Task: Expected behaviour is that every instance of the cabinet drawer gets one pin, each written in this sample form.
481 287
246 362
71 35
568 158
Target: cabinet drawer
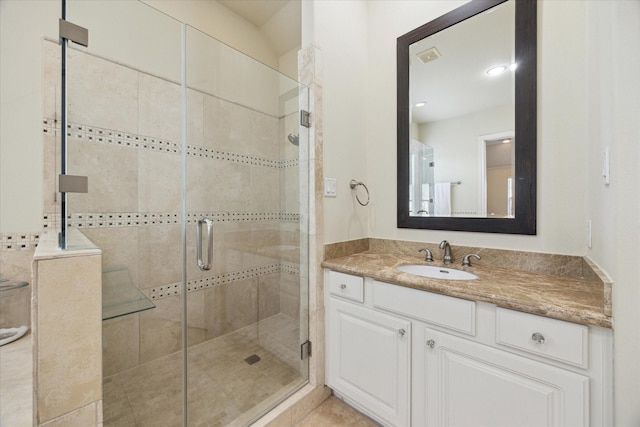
555 339
449 312
346 286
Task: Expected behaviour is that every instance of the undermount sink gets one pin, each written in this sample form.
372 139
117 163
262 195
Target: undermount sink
436 272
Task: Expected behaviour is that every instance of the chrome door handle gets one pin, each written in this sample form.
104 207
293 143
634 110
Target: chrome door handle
201 263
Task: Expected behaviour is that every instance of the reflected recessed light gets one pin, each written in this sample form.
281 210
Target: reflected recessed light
506 141
421 104
499 69
495 71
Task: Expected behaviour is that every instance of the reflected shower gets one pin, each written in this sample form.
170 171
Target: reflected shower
293 139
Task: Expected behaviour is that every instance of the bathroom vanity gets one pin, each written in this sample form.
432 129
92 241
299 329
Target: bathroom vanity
405 351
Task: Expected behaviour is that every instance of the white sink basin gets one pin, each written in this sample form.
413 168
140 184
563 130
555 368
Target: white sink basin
436 272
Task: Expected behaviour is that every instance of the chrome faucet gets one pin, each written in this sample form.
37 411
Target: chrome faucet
427 254
447 251
466 262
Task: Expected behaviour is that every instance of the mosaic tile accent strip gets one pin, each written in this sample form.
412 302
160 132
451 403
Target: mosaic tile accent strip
171 289
140 219
18 241
109 136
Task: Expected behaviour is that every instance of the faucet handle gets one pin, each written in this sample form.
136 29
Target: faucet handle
427 254
466 262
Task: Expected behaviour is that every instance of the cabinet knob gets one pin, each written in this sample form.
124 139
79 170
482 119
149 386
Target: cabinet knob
431 344
343 286
402 332
538 338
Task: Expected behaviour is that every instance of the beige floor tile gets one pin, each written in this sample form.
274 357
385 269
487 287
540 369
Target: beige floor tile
334 413
222 386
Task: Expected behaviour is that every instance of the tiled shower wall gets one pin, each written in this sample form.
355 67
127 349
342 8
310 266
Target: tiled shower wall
241 172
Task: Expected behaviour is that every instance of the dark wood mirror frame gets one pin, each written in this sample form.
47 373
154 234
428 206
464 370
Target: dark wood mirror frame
525 123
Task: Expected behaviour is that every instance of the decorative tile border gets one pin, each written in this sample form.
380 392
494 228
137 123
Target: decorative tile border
18 241
171 289
141 219
93 134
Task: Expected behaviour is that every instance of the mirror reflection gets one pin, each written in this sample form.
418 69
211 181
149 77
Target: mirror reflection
462 109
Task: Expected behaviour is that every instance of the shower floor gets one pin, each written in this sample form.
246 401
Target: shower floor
223 389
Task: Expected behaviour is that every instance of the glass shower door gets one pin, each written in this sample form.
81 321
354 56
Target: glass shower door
246 268
124 104
172 129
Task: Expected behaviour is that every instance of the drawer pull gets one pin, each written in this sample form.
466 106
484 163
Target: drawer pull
431 344
343 286
538 338
401 332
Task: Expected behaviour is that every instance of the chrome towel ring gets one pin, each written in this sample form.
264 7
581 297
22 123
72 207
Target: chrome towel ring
353 184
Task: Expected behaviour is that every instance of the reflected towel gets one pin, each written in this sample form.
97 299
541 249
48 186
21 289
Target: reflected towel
442 199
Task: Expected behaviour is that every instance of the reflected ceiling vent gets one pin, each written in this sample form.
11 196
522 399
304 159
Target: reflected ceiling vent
428 55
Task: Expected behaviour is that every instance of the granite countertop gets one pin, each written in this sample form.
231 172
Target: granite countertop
566 298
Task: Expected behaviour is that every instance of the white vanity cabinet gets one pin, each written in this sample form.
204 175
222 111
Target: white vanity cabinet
471 384
408 357
368 353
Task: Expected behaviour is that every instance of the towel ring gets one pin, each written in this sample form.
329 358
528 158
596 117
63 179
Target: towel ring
353 184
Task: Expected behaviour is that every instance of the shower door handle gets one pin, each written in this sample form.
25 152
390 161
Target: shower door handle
201 263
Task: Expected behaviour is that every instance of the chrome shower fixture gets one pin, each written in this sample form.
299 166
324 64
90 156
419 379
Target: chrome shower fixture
293 139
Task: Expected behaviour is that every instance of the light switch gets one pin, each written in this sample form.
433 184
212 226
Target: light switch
330 185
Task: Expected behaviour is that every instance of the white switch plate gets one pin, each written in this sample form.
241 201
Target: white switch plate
330 186
605 167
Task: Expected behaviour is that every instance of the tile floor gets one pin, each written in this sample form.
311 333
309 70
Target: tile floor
335 413
222 387
16 383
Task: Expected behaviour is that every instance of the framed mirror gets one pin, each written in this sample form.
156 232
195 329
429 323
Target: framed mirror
467 120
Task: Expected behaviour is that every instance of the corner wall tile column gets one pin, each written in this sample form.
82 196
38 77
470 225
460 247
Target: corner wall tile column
309 66
67 333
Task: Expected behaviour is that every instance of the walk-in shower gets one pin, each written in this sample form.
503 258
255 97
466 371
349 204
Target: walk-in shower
174 128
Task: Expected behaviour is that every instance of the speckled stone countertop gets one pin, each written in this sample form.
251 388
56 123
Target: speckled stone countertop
566 298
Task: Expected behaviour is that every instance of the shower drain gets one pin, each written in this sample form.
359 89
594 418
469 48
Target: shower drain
254 358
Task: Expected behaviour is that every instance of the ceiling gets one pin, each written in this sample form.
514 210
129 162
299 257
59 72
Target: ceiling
456 83
279 20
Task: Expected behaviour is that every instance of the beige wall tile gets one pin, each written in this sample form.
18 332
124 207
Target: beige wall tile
159 108
161 329
69 369
264 190
50 171
160 255
103 93
268 295
119 248
83 417
113 177
159 182
120 344
226 126
265 136
15 307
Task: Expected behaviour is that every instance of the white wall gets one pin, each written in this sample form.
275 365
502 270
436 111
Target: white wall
340 30
456 151
21 111
561 127
613 101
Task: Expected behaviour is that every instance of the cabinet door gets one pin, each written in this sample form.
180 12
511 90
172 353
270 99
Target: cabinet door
470 384
368 360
